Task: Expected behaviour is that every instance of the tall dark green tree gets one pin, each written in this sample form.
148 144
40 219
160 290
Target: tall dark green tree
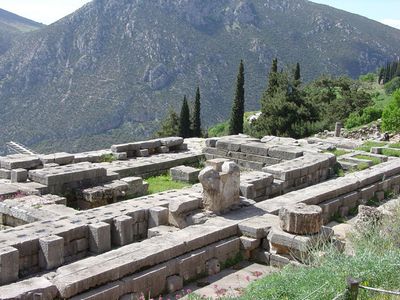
184 120
272 86
286 112
170 125
196 121
297 73
237 114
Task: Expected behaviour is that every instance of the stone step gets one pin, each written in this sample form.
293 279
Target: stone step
230 282
347 165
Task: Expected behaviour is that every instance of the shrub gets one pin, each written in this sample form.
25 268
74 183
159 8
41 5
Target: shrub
391 114
370 77
367 116
392 85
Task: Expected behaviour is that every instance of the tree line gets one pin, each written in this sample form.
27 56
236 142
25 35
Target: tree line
289 107
389 72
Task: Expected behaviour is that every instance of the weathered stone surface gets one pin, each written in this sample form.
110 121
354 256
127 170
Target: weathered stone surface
52 252
33 288
99 237
19 175
9 265
184 173
171 141
221 191
216 163
301 219
174 283
60 158
20 161
158 216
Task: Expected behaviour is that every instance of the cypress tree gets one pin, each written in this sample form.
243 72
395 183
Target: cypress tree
297 75
184 123
237 114
196 122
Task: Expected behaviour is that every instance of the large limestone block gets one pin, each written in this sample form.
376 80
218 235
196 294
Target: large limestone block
9 265
51 253
99 237
185 174
221 190
301 219
32 288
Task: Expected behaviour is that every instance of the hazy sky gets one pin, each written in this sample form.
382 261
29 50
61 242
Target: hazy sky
48 11
385 11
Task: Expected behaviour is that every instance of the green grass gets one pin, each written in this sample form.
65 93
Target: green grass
395 145
339 152
391 152
107 158
376 262
368 145
375 161
164 183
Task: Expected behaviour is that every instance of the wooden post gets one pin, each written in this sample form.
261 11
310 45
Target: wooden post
352 288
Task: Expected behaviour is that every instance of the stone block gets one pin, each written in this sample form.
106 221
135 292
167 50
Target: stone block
158 216
174 283
143 153
184 173
99 237
216 163
380 195
60 158
120 155
255 148
163 149
19 175
122 231
285 152
9 265
211 142
51 254
32 288
301 219
160 230
279 261
171 141
248 243
5 174
20 161
213 266
247 190
221 191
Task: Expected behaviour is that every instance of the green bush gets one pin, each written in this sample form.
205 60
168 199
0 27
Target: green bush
392 85
367 116
391 114
370 77
220 129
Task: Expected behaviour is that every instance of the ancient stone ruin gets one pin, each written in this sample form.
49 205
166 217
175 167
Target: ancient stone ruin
82 226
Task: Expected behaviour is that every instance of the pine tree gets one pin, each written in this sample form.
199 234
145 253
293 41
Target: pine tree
237 114
184 123
196 122
170 126
297 74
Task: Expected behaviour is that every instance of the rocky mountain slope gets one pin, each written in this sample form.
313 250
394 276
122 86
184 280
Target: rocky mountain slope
111 69
11 25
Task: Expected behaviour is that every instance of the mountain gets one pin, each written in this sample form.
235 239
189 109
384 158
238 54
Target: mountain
108 72
11 25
